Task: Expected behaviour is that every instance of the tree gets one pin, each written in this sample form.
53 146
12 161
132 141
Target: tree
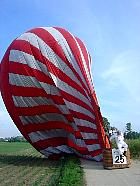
128 127
128 133
106 125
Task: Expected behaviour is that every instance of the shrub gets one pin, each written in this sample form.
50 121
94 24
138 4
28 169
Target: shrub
134 147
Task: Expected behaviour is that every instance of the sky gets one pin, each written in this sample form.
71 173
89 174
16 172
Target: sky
111 32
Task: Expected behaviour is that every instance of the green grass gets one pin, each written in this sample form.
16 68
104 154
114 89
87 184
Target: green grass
134 147
72 173
21 165
10 147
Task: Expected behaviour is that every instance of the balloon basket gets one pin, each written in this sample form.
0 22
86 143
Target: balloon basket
112 159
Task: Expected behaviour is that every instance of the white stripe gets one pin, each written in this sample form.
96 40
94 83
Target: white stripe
24 58
78 108
87 135
93 147
21 101
66 149
43 118
58 149
29 81
24 81
66 49
43 135
63 108
27 37
80 143
81 122
96 158
54 133
51 150
90 72
84 62
50 89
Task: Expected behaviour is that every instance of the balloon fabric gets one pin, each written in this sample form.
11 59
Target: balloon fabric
47 87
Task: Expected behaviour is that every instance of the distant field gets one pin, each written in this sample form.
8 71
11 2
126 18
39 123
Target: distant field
10 147
22 165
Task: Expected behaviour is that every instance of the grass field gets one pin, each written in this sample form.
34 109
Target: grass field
22 165
6 147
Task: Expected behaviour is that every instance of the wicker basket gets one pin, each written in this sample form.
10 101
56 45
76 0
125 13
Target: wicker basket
108 161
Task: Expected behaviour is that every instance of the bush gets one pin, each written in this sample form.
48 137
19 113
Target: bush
134 147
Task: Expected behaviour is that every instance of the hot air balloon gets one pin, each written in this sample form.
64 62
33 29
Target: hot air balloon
47 87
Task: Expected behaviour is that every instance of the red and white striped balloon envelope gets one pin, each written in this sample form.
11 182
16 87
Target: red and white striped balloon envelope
47 87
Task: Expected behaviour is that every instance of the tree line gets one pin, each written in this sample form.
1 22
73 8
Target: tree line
13 139
128 134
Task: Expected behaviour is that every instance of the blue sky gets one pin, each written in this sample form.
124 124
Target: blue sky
111 32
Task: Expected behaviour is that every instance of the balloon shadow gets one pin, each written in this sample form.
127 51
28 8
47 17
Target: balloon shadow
27 160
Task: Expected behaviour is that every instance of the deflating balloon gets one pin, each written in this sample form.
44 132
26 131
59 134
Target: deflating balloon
46 85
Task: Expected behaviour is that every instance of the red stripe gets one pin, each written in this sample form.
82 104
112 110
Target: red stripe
37 110
53 142
23 69
48 126
57 141
91 141
87 129
27 91
82 116
34 92
56 156
96 152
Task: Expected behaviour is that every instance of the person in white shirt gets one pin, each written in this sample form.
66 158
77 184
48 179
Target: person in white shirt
119 139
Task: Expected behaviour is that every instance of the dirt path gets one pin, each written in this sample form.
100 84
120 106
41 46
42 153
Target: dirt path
96 175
